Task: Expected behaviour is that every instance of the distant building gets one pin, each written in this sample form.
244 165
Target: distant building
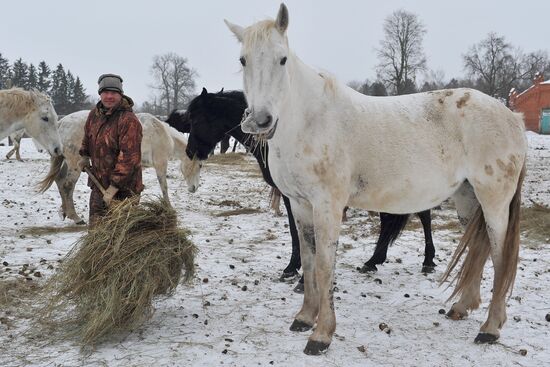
534 102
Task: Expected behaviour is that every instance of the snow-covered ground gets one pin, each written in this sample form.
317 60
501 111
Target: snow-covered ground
237 313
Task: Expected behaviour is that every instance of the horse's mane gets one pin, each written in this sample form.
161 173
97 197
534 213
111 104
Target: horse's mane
258 32
330 82
226 100
17 102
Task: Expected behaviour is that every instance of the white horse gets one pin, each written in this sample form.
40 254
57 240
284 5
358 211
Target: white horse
32 111
331 147
160 143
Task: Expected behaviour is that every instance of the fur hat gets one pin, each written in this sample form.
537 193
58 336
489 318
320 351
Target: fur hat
111 82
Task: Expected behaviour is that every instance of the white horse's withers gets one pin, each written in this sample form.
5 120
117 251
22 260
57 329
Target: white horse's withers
32 111
330 146
160 143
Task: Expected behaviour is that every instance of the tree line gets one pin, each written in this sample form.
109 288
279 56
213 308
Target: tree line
493 66
66 90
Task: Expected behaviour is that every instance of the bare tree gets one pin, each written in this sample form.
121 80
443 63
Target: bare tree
494 64
174 80
401 54
531 64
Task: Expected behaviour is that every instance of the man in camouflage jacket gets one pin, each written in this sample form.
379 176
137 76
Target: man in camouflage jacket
111 147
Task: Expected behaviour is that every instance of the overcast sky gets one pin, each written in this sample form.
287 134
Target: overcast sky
107 36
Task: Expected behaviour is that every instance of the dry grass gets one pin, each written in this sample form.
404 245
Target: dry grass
46 230
17 300
242 160
228 158
108 280
16 292
242 211
535 222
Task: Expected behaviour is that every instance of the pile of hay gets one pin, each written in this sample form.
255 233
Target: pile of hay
108 280
535 222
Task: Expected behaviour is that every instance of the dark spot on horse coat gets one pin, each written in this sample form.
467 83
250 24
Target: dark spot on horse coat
361 183
309 237
509 169
489 169
462 101
278 152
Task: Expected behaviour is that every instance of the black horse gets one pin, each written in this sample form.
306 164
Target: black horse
213 116
178 119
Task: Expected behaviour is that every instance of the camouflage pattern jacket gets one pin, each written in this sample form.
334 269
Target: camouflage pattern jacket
112 140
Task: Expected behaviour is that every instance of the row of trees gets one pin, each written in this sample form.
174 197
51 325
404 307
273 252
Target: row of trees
493 65
66 90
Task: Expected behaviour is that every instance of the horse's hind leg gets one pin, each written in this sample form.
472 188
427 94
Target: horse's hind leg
17 147
160 169
224 144
66 181
428 266
10 153
391 226
497 223
466 205
502 217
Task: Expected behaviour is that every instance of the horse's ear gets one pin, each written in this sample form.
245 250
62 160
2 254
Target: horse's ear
282 19
204 92
221 91
237 30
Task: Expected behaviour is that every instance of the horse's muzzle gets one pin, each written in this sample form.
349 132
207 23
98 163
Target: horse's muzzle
264 125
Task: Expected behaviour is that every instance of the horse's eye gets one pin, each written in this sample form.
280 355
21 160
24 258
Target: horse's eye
243 61
45 119
283 60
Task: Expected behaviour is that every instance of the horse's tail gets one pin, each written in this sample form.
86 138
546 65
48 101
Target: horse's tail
56 167
476 240
391 226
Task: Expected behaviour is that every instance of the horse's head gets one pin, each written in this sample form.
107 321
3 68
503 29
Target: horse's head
206 131
41 123
191 169
264 56
179 120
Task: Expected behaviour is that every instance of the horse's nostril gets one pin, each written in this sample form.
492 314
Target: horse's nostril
56 150
266 122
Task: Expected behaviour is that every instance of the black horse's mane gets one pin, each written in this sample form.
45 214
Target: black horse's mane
226 101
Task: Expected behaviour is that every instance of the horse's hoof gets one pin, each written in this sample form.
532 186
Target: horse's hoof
299 288
485 338
455 315
427 269
288 274
367 268
81 223
315 348
300 326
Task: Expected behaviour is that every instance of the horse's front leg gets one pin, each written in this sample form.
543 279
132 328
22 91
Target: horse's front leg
323 245
303 217
294 265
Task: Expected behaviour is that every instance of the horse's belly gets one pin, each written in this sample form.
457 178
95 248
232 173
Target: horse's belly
404 197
